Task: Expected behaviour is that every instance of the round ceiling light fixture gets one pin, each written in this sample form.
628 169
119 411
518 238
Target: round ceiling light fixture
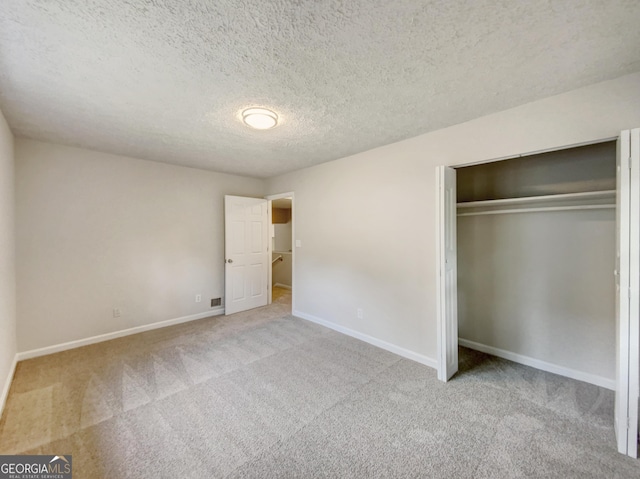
259 118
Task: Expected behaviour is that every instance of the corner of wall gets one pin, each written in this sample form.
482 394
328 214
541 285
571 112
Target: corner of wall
8 340
4 394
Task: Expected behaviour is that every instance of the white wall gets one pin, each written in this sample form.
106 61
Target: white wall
282 240
97 232
282 269
7 261
541 285
366 222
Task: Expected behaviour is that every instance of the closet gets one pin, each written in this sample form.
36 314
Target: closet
526 253
536 242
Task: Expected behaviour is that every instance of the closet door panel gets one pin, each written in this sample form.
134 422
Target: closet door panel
634 292
447 289
626 414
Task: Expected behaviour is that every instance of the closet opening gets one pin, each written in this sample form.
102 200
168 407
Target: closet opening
536 242
549 272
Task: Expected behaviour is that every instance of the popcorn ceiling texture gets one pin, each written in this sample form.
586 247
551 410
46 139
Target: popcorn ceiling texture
165 80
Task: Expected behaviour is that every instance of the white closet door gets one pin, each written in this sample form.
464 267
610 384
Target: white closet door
447 281
627 277
634 293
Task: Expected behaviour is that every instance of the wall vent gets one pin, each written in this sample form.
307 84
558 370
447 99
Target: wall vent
216 302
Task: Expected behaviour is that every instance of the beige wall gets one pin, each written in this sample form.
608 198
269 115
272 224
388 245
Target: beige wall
366 222
97 232
282 269
7 260
541 285
282 240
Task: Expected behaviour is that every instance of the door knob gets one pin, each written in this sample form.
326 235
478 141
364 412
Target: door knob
229 261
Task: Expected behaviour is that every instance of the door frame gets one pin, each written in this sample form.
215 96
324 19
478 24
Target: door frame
270 198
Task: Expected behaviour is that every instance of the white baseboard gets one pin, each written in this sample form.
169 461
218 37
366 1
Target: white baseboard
405 353
280 285
542 365
34 353
7 384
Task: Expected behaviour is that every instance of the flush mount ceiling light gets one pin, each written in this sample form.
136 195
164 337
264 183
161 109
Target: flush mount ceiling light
259 118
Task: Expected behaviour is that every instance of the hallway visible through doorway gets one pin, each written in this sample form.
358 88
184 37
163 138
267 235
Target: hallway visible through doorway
282 298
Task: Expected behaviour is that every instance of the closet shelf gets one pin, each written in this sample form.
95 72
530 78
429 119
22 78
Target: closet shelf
589 200
588 195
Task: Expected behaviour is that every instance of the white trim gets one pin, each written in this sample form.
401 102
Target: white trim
34 353
7 384
623 225
288 194
634 292
280 285
542 365
400 351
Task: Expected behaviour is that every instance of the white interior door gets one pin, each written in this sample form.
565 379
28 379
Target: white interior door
627 276
447 281
246 253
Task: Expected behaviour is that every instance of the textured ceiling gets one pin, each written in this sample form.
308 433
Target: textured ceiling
165 79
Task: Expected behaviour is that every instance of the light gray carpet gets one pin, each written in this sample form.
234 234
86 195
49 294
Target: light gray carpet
262 397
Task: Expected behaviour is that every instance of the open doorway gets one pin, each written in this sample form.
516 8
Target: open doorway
282 249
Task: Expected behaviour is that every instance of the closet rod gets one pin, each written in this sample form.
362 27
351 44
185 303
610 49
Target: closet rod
539 199
534 210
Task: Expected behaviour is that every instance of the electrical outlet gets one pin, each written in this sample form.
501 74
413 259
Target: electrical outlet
116 312
360 313
198 298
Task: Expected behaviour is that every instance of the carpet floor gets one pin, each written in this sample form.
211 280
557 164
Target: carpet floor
262 394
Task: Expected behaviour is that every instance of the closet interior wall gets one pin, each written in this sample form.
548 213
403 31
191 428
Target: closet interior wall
535 268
